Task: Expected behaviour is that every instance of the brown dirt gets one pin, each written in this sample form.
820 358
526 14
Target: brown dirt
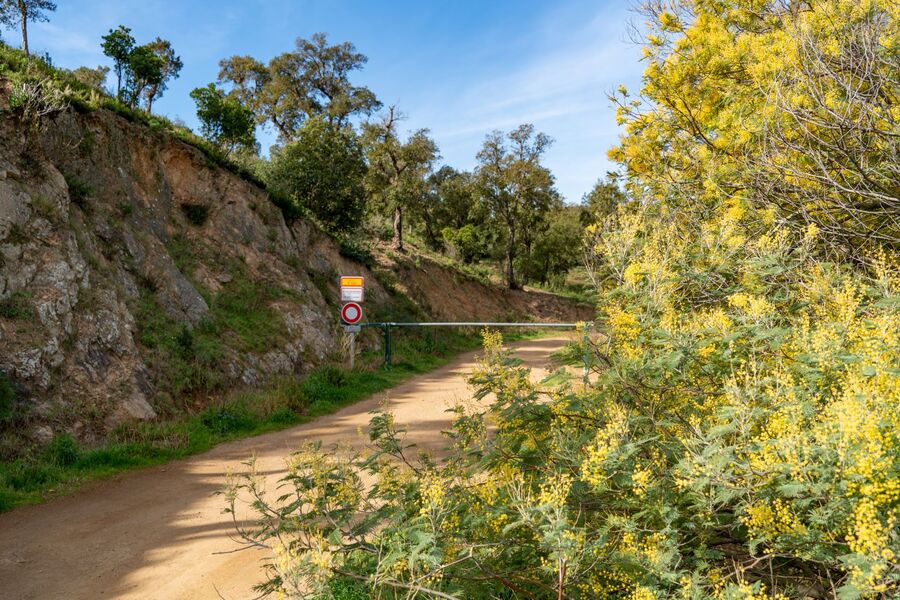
160 533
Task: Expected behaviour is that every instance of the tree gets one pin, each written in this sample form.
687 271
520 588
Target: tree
223 119
514 185
447 203
817 143
323 171
557 249
313 80
118 45
471 241
20 12
144 70
325 71
170 68
601 201
248 78
94 78
397 169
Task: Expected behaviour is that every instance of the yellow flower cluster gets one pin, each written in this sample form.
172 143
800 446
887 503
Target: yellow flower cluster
605 442
433 491
768 520
755 307
640 481
555 491
641 592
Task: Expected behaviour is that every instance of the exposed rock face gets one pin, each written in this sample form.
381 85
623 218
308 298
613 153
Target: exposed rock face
79 256
106 227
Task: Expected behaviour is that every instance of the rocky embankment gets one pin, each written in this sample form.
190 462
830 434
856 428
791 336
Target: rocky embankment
134 273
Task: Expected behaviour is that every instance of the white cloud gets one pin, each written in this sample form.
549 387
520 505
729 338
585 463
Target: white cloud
560 87
63 41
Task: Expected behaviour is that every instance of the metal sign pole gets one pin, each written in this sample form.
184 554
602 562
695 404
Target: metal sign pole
352 349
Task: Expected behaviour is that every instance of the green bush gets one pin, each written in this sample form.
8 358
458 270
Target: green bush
188 359
227 419
243 307
347 589
325 386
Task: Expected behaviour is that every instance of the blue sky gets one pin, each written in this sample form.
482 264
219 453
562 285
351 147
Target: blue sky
458 68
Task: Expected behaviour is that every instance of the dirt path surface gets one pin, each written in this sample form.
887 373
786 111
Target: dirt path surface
155 533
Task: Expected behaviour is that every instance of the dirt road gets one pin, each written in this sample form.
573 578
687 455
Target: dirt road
155 534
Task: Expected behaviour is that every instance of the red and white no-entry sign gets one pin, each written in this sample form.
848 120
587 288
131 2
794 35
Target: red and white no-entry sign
351 313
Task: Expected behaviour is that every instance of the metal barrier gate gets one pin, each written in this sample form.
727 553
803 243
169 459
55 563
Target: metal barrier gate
388 352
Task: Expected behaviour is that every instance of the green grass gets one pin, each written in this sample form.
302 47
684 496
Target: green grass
17 306
187 359
190 360
243 307
62 466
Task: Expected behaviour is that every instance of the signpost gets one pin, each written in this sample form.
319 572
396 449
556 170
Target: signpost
351 313
353 288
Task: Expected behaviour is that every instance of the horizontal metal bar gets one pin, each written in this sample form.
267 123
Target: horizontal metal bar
468 324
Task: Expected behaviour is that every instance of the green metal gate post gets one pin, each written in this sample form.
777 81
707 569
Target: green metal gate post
388 351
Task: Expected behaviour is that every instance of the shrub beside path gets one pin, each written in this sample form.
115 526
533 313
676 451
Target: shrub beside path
161 534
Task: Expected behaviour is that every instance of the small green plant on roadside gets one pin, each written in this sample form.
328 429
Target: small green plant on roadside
227 419
63 451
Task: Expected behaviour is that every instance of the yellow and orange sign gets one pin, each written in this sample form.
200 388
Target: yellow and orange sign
354 281
352 288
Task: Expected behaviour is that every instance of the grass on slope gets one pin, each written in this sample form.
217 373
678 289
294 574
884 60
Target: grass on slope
63 466
62 89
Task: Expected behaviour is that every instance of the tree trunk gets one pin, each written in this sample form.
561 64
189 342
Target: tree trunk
25 36
429 233
398 228
510 255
